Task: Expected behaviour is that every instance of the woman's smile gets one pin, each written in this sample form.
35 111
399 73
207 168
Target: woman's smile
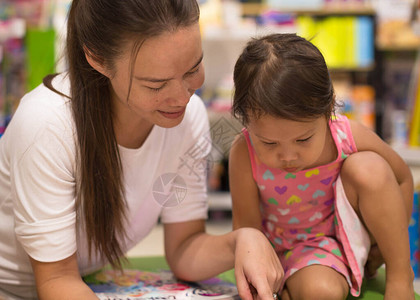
172 115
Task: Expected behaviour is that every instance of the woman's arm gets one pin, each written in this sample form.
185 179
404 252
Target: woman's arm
367 140
60 280
195 255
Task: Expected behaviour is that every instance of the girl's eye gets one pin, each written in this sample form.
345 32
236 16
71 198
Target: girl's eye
304 140
268 143
193 72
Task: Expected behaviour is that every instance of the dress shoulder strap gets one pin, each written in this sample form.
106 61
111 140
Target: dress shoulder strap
342 134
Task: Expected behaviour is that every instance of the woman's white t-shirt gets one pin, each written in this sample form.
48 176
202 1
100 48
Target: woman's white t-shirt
165 178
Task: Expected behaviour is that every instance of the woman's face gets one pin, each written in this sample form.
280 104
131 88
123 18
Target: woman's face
166 72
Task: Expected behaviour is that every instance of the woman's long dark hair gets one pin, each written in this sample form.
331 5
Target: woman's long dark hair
282 75
103 28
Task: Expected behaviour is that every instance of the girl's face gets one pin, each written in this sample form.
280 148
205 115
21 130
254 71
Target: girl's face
167 71
290 145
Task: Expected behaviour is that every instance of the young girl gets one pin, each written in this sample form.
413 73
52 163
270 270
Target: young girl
305 176
94 156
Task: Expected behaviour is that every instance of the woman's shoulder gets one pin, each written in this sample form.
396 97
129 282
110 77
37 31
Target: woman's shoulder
43 103
41 110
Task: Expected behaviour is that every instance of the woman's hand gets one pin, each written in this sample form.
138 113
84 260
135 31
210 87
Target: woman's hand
194 255
258 270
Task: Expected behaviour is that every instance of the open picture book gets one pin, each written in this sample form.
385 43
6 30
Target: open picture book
157 285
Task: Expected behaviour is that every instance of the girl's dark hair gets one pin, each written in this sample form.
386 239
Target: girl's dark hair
282 75
103 28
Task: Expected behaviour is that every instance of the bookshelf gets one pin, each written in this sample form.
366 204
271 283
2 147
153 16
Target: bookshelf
222 45
252 9
345 35
411 155
220 201
391 48
29 31
397 70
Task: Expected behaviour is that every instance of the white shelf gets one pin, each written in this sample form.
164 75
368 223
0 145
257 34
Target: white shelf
411 155
242 33
317 9
220 201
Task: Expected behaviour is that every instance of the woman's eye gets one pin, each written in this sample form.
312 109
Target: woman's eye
156 89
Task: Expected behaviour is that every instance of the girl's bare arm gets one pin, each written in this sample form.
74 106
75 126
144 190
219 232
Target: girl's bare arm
367 140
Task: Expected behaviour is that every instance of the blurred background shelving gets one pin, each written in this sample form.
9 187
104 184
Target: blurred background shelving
372 50
371 47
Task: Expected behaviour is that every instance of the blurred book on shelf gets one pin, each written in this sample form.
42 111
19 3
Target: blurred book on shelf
356 101
414 128
30 32
414 105
397 21
319 5
346 42
13 74
414 236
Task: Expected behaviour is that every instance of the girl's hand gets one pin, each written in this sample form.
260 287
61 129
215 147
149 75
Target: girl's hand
258 270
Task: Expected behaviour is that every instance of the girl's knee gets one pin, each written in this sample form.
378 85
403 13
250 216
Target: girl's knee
317 282
323 289
366 170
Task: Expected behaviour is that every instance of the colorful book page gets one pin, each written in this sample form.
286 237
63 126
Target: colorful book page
135 284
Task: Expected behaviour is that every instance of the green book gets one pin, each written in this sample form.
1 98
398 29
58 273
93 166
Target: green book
40 57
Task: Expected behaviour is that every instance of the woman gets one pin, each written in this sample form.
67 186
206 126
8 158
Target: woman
91 158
